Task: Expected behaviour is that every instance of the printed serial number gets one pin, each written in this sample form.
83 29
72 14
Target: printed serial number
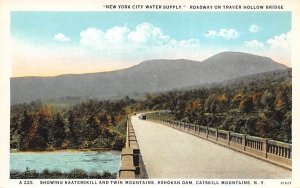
286 183
26 182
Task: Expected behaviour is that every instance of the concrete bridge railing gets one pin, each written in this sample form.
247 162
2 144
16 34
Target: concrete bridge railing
276 152
130 156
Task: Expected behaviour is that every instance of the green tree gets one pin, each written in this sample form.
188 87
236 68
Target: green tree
92 129
268 100
73 134
25 127
58 131
246 104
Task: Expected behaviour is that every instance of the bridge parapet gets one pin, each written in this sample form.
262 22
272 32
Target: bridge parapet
130 156
279 151
272 151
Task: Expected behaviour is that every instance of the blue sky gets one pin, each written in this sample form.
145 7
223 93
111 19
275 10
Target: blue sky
112 40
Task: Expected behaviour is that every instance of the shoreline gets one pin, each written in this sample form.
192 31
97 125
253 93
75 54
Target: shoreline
57 174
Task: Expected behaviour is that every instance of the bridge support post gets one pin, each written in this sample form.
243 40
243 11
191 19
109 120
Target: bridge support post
228 138
217 135
244 142
206 131
265 147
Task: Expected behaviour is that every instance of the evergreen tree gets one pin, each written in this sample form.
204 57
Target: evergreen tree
58 131
73 134
93 130
25 127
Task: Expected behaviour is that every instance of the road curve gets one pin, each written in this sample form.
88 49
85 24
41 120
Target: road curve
169 153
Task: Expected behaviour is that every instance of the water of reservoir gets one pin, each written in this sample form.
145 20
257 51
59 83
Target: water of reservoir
65 161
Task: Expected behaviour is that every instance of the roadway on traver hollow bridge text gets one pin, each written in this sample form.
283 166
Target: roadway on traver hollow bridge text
169 153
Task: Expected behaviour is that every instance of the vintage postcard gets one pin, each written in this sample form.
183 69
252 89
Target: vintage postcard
140 93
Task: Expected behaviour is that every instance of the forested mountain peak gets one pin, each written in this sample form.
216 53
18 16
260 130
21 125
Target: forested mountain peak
146 77
242 59
228 63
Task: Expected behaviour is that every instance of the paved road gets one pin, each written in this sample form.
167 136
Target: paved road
169 153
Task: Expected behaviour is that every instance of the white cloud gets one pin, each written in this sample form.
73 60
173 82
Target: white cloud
61 37
92 37
280 41
254 28
254 44
117 34
121 38
148 33
226 34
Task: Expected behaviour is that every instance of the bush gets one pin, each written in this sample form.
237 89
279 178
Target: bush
77 174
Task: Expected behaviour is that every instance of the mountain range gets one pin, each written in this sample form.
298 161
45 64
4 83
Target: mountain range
146 77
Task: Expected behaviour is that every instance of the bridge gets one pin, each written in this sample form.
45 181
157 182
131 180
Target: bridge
157 148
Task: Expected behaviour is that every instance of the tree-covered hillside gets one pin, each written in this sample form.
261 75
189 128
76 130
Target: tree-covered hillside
91 124
259 105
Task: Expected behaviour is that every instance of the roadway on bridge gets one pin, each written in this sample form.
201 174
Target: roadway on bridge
169 153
